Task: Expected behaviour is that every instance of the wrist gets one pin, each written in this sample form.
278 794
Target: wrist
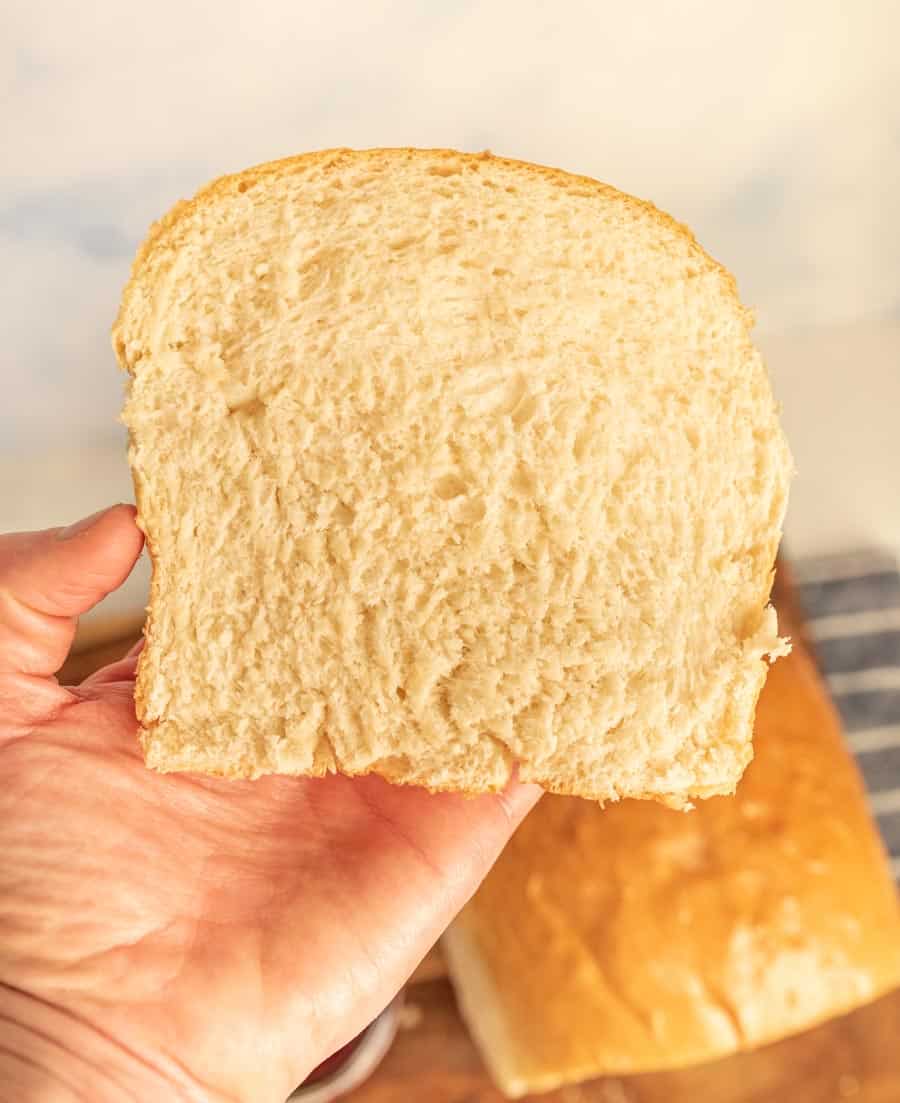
50 1055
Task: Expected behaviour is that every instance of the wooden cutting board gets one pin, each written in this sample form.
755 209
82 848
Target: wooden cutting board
855 1058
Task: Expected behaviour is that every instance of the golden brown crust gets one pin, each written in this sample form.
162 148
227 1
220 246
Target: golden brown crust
162 231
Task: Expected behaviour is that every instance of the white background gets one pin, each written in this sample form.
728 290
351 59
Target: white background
772 127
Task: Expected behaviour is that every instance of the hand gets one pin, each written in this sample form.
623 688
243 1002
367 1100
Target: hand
173 937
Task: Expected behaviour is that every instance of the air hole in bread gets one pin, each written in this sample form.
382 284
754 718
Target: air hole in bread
450 486
525 410
343 514
250 407
468 510
451 168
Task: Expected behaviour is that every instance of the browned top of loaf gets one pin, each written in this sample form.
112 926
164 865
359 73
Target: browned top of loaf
634 937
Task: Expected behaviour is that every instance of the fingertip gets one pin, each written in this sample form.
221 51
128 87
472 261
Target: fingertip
111 533
120 523
518 798
122 670
67 571
86 524
125 514
52 576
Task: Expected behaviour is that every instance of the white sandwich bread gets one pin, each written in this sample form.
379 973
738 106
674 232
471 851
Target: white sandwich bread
448 465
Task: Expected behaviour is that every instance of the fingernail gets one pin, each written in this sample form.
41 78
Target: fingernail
83 525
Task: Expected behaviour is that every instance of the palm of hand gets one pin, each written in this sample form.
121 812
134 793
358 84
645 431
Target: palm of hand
230 934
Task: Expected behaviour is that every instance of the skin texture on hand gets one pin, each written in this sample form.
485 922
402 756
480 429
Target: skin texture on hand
180 937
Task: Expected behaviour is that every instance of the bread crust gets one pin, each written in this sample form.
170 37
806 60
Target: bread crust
163 232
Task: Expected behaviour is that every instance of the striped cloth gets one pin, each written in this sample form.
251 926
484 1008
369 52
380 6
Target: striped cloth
852 605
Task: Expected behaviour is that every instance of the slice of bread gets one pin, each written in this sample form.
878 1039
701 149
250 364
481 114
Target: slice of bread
448 463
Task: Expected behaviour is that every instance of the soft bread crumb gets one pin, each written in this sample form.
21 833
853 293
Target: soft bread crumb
448 463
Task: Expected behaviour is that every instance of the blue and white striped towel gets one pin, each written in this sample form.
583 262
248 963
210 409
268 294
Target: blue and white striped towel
852 605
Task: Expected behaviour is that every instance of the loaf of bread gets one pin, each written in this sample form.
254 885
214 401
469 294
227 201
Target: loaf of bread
448 463
633 938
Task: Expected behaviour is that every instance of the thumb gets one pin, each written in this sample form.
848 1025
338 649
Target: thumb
48 578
